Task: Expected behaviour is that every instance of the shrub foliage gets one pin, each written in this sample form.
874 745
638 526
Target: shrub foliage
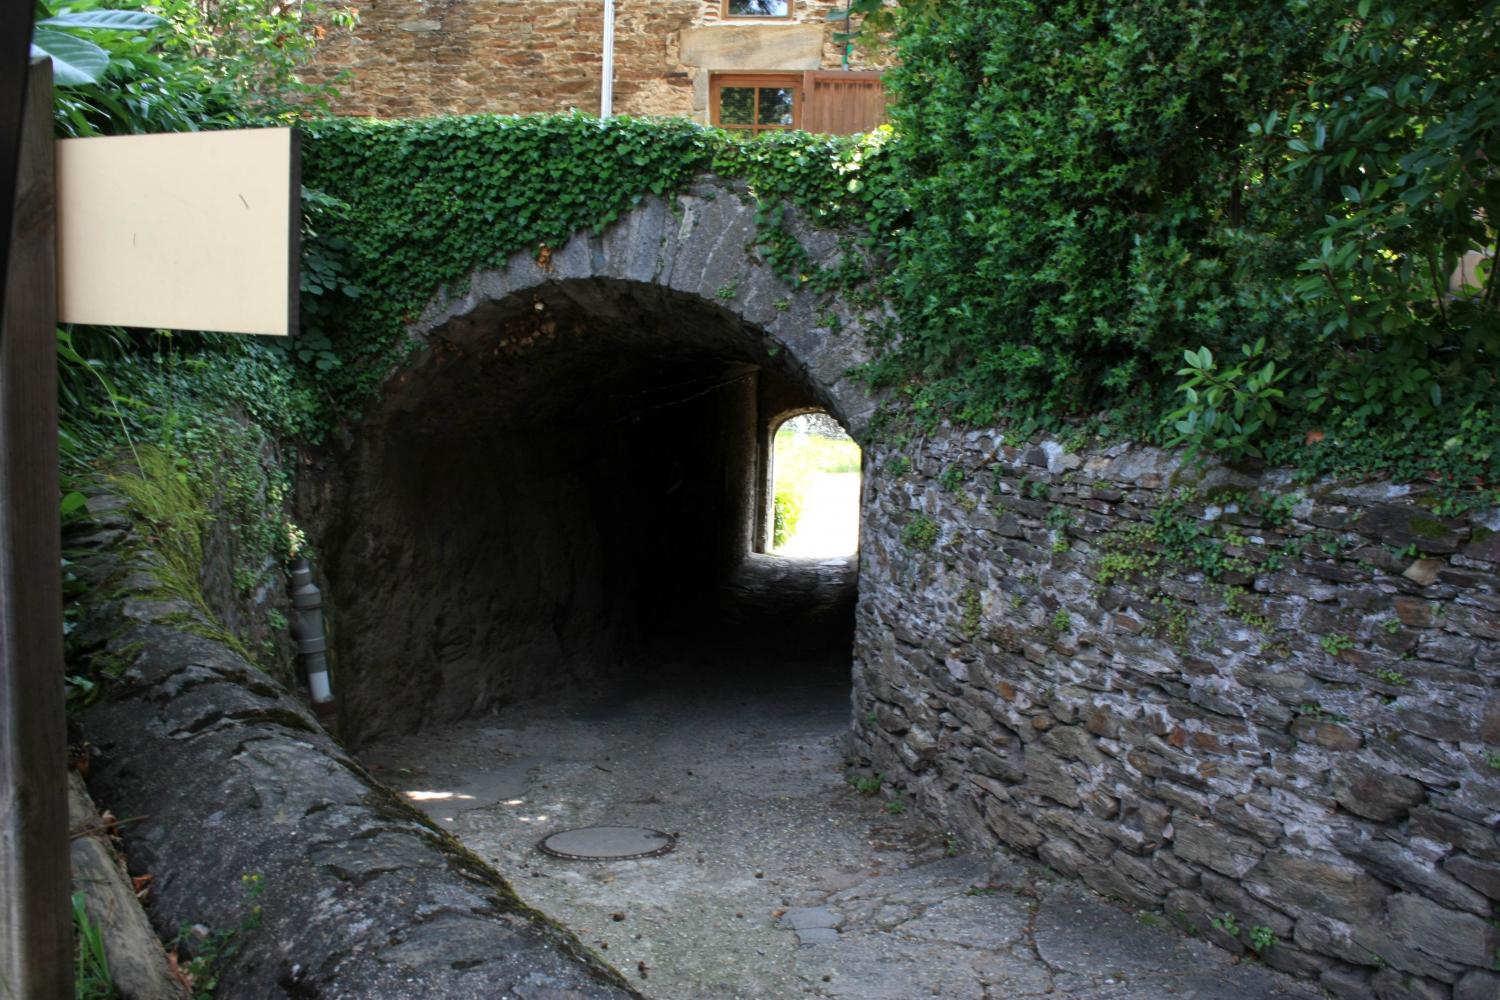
1234 227
1098 191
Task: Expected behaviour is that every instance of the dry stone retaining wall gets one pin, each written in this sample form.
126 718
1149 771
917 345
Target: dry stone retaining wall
1270 709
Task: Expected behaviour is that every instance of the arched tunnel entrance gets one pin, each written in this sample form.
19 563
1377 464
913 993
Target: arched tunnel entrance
569 492
553 607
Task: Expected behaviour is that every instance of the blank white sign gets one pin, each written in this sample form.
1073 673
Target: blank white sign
187 231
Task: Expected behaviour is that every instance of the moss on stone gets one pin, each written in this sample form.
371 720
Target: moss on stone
1427 527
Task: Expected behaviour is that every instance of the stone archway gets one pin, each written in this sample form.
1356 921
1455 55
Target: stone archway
566 462
697 246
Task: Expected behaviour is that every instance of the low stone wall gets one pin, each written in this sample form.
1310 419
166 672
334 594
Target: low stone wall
1269 709
270 848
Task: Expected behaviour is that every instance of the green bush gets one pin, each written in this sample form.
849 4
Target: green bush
1079 196
787 511
1075 174
1095 189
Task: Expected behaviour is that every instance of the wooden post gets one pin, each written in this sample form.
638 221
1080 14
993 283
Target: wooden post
35 919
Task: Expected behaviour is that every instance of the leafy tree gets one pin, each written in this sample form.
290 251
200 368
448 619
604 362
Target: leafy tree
131 66
1075 176
1395 141
180 65
1096 190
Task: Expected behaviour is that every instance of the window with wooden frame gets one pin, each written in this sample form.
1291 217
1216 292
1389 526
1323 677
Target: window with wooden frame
777 9
837 102
756 102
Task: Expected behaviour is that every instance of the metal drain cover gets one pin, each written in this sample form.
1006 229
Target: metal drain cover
608 843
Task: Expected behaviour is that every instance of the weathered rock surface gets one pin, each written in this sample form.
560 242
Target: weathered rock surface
261 832
137 962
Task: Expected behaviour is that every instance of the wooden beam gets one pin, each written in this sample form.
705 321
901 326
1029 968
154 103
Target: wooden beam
35 920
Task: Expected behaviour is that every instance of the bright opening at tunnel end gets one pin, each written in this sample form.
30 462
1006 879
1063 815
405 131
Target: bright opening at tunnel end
815 486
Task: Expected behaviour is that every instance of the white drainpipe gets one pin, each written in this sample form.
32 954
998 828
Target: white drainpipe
607 88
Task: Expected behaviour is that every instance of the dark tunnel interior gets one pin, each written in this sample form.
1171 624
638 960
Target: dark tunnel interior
569 483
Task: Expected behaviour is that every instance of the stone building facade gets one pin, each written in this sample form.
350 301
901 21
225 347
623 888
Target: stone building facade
428 57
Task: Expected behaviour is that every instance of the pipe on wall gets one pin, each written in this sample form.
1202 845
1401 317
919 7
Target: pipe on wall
312 641
607 85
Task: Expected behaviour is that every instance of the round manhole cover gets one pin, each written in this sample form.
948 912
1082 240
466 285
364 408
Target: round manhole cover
608 843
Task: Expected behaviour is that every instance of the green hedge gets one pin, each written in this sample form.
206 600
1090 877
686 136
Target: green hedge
1099 187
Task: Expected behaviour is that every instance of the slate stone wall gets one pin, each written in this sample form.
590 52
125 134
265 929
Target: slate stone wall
1269 709
254 824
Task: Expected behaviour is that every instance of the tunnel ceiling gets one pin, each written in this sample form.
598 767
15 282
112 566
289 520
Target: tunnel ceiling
582 352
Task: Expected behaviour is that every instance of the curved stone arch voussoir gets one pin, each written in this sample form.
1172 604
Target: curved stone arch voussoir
699 244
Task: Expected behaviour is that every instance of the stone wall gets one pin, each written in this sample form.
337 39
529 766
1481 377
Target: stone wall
295 870
426 57
1269 709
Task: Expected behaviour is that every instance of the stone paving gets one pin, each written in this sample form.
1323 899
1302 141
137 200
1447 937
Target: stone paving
960 928
786 881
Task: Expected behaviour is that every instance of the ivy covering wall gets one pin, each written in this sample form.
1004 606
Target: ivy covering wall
403 207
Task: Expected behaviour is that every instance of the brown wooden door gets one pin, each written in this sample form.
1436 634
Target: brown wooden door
842 102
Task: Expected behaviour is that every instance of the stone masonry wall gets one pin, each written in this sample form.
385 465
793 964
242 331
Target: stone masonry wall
248 819
1269 709
427 57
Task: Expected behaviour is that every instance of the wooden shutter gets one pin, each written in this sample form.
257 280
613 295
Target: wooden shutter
842 102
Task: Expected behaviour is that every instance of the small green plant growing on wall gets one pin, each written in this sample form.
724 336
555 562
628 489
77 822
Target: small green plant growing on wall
1492 759
1335 644
81 692
1261 938
1313 710
1395 678
867 784
1225 922
970 612
920 533
213 949
1175 624
951 478
1062 621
